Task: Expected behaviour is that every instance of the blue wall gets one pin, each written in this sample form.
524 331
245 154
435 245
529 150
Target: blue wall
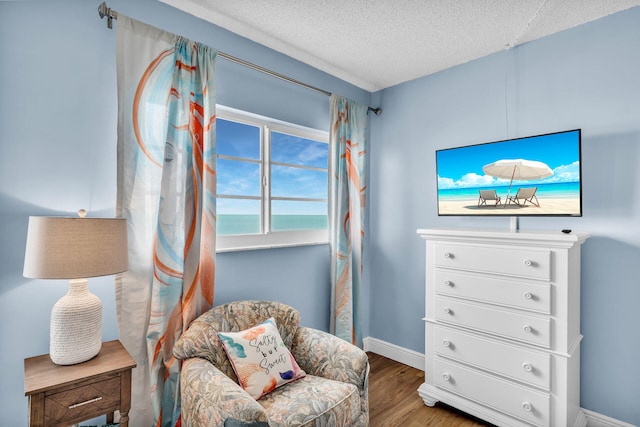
587 77
58 117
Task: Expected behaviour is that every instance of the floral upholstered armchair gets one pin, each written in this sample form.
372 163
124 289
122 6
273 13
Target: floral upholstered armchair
330 387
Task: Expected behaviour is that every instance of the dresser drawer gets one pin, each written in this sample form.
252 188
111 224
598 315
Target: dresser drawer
527 328
525 295
83 402
506 261
515 400
510 361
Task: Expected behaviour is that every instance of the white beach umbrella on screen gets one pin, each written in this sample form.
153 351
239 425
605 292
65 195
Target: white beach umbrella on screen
517 169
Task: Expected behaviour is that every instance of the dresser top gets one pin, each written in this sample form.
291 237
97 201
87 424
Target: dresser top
533 237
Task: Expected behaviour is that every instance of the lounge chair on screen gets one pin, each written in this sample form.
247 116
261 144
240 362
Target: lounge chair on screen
525 195
488 196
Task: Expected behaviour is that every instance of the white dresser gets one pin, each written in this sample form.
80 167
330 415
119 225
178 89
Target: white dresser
502 336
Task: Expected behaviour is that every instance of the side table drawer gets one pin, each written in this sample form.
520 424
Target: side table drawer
83 402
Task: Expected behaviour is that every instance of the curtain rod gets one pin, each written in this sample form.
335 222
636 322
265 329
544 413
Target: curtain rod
111 14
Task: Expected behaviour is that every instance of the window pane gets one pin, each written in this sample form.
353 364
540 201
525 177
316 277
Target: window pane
238 178
237 139
298 151
293 215
296 182
296 168
237 217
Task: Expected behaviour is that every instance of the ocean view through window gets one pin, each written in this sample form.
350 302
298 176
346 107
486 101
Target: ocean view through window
272 182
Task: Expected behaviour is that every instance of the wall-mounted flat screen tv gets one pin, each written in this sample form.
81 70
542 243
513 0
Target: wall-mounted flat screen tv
532 176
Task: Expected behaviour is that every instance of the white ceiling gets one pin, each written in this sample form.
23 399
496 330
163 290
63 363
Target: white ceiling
375 44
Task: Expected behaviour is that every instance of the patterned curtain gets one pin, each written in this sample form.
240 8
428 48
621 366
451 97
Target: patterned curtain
166 190
348 196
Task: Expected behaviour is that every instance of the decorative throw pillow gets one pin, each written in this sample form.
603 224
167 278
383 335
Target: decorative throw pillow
260 359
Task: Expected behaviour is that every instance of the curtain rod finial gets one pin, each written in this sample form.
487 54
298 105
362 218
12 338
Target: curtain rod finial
103 11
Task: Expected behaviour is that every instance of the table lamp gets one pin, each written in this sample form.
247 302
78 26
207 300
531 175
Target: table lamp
75 249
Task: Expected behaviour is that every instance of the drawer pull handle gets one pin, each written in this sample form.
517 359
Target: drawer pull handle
446 343
528 295
528 262
527 367
446 376
447 310
76 405
528 329
527 406
448 255
448 283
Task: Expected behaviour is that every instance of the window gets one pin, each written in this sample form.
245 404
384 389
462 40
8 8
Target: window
272 182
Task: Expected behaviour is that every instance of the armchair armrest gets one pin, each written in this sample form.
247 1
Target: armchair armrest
324 355
209 397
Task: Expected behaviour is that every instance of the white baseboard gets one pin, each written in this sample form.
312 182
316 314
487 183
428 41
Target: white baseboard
394 352
416 360
598 420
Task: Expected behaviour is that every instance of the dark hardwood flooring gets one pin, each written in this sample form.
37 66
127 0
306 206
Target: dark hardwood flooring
394 399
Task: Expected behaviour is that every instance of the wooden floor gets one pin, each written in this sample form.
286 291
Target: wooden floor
394 399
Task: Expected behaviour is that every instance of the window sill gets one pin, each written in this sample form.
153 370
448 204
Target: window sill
284 239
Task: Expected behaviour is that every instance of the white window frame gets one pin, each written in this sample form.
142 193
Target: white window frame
267 238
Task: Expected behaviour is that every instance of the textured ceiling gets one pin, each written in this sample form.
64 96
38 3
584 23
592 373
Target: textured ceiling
375 44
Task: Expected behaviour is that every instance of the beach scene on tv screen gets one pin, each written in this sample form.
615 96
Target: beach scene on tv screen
537 175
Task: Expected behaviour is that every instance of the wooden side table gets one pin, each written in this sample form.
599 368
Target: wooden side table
64 395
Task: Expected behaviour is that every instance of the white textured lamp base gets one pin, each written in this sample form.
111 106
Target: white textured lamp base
76 325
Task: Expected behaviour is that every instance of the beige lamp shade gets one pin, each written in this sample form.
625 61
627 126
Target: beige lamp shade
71 248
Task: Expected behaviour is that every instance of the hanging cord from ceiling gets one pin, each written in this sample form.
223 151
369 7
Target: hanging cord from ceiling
527 25
111 14
506 85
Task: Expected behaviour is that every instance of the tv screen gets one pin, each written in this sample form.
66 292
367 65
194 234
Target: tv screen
532 176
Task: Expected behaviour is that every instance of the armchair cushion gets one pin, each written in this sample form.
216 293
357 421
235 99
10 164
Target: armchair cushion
260 359
316 402
232 422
